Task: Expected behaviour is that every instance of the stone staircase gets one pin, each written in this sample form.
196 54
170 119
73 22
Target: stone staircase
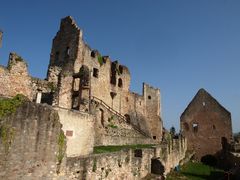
119 116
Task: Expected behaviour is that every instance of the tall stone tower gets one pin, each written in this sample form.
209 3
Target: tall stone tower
1 34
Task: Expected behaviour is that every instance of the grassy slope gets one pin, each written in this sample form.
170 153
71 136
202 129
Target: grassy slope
196 171
106 149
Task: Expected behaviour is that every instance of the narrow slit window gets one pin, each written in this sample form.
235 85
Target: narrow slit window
67 51
95 72
120 83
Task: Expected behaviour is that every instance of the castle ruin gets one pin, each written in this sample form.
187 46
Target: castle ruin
86 96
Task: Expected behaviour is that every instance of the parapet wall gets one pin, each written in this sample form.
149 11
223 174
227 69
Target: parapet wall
127 164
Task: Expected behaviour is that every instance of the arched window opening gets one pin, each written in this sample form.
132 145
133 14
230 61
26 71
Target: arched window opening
120 83
128 120
157 167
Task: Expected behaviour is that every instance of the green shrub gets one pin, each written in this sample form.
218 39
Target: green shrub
94 165
100 60
61 149
112 126
7 135
9 106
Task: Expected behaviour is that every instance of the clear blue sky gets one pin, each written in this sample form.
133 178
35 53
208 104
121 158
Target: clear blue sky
178 46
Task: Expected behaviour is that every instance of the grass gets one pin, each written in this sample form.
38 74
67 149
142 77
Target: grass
196 171
113 126
107 149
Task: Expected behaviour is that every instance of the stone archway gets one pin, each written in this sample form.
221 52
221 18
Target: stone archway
157 167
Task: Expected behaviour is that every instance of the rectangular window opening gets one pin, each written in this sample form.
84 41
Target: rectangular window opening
95 72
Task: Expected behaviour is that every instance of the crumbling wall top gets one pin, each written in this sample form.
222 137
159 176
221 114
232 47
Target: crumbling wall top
16 64
67 23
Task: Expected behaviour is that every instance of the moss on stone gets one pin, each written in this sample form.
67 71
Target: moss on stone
61 149
94 165
52 86
100 60
112 126
7 135
9 106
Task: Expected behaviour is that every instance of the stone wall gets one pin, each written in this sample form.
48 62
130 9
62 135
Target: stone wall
29 143
34 143
126 164
206 125
15 79
79 130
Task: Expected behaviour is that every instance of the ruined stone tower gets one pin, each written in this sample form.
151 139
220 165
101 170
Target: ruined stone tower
83 75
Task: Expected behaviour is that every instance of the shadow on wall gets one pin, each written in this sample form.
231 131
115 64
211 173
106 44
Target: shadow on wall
224 160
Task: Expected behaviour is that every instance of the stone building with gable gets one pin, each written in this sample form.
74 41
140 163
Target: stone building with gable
206 124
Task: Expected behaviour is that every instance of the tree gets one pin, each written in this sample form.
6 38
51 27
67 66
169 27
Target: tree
172 131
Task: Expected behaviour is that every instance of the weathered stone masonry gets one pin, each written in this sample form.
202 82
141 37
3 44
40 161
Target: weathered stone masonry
32 150
127 164
91 104
81 73
206 125
15 79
